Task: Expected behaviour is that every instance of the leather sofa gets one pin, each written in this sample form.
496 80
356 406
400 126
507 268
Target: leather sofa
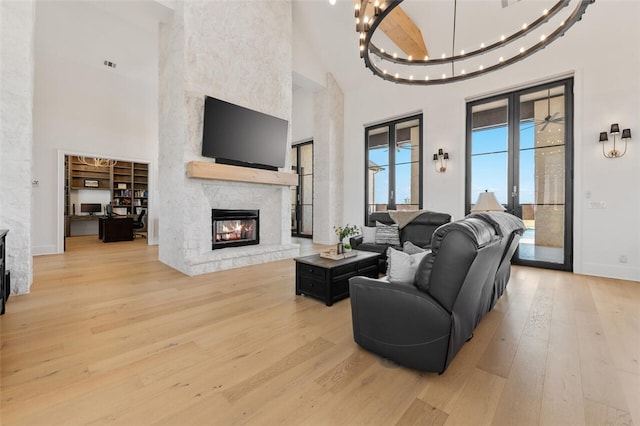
418 232
423 325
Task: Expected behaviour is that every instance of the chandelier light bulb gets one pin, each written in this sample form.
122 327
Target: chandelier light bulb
481 67
444 56
444 76
543 37
426 58
545 12
524 26
426 77
396 75
481 45
410 77
395 55
332 2
522 50
501 59
410 58
502 37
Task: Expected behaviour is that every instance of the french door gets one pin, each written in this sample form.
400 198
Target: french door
302 195
520 146
393 172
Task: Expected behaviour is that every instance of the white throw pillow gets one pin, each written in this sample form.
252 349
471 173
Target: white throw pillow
401 267
369 234
410 248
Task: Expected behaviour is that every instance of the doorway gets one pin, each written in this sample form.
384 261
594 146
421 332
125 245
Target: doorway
520 146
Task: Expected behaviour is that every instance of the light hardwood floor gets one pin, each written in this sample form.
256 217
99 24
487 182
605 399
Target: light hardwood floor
109 335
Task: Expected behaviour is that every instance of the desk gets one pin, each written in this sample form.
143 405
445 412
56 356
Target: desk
115 229
79 218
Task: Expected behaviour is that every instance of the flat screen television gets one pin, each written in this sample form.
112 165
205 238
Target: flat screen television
240 136
90 208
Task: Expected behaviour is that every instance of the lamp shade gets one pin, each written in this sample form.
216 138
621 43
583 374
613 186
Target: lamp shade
487 202
603 137
626 134
615 129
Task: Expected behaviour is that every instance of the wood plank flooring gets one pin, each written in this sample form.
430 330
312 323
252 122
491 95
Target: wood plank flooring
109 335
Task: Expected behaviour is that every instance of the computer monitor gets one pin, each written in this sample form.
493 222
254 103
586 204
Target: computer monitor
91 208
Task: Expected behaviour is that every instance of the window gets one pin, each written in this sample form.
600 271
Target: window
393 176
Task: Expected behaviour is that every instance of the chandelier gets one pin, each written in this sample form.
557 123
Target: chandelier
97 162
465 55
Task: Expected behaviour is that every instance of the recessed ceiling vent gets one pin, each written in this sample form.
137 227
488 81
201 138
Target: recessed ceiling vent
110 64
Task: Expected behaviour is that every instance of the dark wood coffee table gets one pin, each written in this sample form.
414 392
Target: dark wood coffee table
328 279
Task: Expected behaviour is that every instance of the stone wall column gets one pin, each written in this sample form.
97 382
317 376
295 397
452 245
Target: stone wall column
328 172
17 30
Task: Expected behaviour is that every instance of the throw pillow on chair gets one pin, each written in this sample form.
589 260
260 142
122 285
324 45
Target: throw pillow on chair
401 266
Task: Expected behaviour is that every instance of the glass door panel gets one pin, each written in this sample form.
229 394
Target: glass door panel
541 198
302 195
407 165
294 192
378 169
489 150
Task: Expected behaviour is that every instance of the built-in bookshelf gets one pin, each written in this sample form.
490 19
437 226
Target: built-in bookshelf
127 182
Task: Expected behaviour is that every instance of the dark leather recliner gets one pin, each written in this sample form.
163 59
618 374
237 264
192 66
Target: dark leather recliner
423 326
418 231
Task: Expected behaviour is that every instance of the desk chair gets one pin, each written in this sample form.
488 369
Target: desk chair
140 224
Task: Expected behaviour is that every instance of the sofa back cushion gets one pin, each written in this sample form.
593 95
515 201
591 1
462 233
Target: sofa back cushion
454 248
418 231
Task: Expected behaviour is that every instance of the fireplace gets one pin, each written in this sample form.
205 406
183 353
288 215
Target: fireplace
235 228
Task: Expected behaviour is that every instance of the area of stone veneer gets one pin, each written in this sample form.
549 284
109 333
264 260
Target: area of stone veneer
17 20
206 50
275 231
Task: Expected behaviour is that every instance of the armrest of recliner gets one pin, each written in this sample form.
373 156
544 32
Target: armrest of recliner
399 322
356 241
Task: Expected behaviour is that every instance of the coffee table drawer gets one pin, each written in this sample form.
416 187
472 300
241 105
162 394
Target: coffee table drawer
311 287
311 271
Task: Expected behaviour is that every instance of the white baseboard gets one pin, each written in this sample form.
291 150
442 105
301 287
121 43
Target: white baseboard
41 250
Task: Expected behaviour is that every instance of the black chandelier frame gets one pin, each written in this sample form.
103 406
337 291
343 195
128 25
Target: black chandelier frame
367 27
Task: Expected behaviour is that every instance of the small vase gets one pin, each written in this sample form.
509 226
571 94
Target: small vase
339 248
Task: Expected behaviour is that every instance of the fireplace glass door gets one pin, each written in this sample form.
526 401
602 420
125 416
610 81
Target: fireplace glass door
234 228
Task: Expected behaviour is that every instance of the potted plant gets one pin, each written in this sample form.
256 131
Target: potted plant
342 233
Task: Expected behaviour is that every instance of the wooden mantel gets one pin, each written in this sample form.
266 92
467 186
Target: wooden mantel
205 170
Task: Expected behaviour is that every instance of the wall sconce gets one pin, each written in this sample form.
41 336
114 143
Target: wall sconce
443 158
615 130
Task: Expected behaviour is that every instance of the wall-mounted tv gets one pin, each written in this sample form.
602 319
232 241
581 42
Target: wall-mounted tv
240 136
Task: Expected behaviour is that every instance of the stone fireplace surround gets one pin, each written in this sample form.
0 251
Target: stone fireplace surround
275 233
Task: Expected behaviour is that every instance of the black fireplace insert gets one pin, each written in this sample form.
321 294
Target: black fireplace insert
235 228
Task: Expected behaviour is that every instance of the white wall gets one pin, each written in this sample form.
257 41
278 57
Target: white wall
82 106
302 115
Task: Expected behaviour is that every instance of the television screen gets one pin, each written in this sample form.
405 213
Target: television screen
90 208
236 135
